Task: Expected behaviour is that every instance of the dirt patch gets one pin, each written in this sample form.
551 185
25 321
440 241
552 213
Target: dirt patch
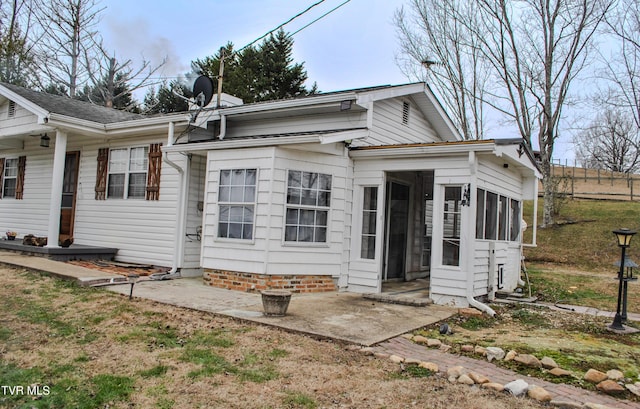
92 348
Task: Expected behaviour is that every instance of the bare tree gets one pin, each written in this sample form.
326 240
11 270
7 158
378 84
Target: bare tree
70 42
16 47
612 142
536 49
112 80
435 35
623 67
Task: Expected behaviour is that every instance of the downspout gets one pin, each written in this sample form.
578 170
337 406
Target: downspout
470 236
223 127
178 240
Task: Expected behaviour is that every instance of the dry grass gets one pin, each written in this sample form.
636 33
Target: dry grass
583 239
96 349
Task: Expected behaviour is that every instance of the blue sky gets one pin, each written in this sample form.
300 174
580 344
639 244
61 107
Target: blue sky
355 46
352 47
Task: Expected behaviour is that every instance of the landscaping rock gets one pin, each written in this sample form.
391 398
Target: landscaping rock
494 386
633 388
548 363
480 350
559 372
469 312
610 387
495 353
429 366
539 394
466 348
407 336
528 360
412 361
477 378
465 380
456 371
396 359
381 355
510 355
615 375
419 339
517 388
433 343
595 376
444 348
563 404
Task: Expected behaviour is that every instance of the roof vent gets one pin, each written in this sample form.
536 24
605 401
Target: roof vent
12 109
405 113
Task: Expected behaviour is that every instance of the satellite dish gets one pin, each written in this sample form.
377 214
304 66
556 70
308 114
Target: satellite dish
203 90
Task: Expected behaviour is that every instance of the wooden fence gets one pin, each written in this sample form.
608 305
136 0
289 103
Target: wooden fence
578 182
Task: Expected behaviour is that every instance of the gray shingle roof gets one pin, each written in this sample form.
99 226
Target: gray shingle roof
72 107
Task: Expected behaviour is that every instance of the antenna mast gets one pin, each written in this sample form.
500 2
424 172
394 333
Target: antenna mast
220 77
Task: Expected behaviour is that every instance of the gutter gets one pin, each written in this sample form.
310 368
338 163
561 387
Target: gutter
178 240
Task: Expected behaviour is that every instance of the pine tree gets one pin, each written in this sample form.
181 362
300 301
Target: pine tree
261 73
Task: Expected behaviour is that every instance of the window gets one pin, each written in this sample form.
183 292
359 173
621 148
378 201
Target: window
236 203
515 220
405 113
308 202
480 211
369 216
503 211
10 178
451 226
127 176
497 217
491 219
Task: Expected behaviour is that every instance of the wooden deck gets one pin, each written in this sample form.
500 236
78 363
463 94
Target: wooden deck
73 252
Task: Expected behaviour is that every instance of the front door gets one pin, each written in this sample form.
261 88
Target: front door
397 219
69 189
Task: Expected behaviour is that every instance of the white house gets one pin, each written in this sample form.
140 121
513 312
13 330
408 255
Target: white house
342 190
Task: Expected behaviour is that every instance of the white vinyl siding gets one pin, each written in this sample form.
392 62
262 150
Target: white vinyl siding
388 127
268 252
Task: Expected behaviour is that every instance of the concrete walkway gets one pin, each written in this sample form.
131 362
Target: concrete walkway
341 316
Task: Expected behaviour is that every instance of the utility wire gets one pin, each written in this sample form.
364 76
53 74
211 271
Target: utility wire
319 18
280 26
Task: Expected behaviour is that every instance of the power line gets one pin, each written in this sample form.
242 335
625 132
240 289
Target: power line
280 26
319 18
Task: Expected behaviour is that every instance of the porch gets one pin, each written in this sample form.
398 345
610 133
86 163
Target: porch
73 252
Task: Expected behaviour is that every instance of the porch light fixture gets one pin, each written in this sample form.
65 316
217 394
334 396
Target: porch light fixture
44 141
624 240
345 105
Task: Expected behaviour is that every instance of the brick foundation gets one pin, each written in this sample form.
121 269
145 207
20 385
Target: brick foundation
250 282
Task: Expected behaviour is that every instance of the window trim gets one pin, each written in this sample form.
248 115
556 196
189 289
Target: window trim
457 220
4 178
127 172
301 206
253 204
375 212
